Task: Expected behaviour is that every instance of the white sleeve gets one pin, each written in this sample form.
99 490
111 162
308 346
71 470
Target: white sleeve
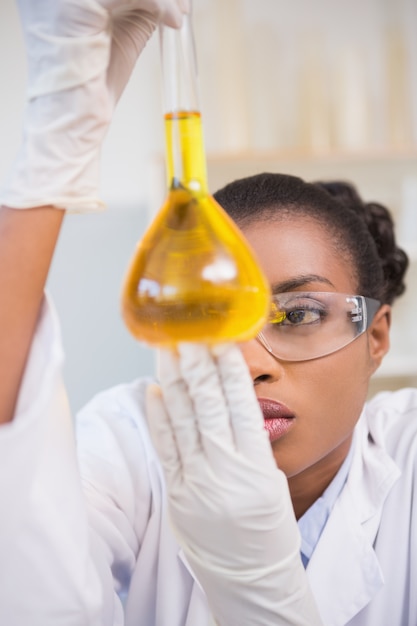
52 571
116 464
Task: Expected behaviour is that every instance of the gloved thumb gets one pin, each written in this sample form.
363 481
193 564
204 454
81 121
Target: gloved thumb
131 28
130 32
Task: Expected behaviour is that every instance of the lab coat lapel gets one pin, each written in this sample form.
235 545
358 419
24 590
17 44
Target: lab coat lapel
344 572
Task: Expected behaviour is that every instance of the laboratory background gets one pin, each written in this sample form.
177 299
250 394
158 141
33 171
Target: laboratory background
324 89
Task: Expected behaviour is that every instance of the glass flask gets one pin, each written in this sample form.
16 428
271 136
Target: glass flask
193 276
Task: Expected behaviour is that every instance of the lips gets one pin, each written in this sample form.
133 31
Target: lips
278 418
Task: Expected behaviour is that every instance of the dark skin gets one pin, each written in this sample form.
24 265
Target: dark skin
27 243
326 394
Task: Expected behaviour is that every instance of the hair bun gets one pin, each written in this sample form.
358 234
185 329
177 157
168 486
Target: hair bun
381 226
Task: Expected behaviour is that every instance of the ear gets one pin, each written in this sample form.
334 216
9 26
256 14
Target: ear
378 336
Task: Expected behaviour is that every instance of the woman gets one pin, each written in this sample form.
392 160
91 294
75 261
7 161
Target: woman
100 550
335 270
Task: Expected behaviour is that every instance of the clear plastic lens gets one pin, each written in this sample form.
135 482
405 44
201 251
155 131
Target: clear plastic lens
307 325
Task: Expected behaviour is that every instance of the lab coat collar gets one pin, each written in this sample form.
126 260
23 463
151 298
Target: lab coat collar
344 572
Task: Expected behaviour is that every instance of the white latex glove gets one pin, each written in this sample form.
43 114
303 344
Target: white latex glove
80 56
229 503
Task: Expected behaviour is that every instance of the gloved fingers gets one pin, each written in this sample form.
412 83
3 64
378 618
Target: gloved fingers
246 417
169 12
132 26
179 406
198 369
162 435
130 32
173 13
69 39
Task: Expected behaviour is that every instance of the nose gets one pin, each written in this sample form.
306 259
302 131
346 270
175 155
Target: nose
263 366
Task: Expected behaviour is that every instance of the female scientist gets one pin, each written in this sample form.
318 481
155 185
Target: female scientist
171 510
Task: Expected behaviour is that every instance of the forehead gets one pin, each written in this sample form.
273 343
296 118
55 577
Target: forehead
291 249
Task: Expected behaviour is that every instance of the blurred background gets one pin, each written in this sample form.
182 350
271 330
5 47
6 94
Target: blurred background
322 90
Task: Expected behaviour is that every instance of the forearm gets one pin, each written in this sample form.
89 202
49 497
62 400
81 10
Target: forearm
27 243
75 78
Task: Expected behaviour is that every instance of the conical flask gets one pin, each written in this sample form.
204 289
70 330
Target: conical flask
193 277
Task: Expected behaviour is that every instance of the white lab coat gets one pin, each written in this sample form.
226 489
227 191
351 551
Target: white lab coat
104 554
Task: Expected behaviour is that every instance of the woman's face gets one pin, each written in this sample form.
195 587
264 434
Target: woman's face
324 396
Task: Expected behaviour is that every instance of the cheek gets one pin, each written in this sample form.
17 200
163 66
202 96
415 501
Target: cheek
345 374
342 381
331 394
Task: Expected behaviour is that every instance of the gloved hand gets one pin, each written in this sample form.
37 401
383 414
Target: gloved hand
228 502
80 56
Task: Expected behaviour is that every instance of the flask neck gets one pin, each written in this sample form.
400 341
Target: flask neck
184 141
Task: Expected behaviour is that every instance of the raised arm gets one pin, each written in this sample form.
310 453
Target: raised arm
79 60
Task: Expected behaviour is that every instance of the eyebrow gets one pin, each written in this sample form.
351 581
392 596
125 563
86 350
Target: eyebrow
299 281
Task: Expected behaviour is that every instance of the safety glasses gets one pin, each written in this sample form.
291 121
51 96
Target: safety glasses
309 325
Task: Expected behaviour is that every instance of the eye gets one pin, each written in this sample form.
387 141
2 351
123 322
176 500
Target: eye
299 312
303 315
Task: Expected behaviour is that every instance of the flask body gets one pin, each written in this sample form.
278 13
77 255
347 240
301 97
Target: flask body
193 277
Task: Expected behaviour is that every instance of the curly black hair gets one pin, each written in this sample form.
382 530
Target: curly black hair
364 231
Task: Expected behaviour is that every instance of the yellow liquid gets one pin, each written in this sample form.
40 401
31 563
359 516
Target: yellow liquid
185 155
193 277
